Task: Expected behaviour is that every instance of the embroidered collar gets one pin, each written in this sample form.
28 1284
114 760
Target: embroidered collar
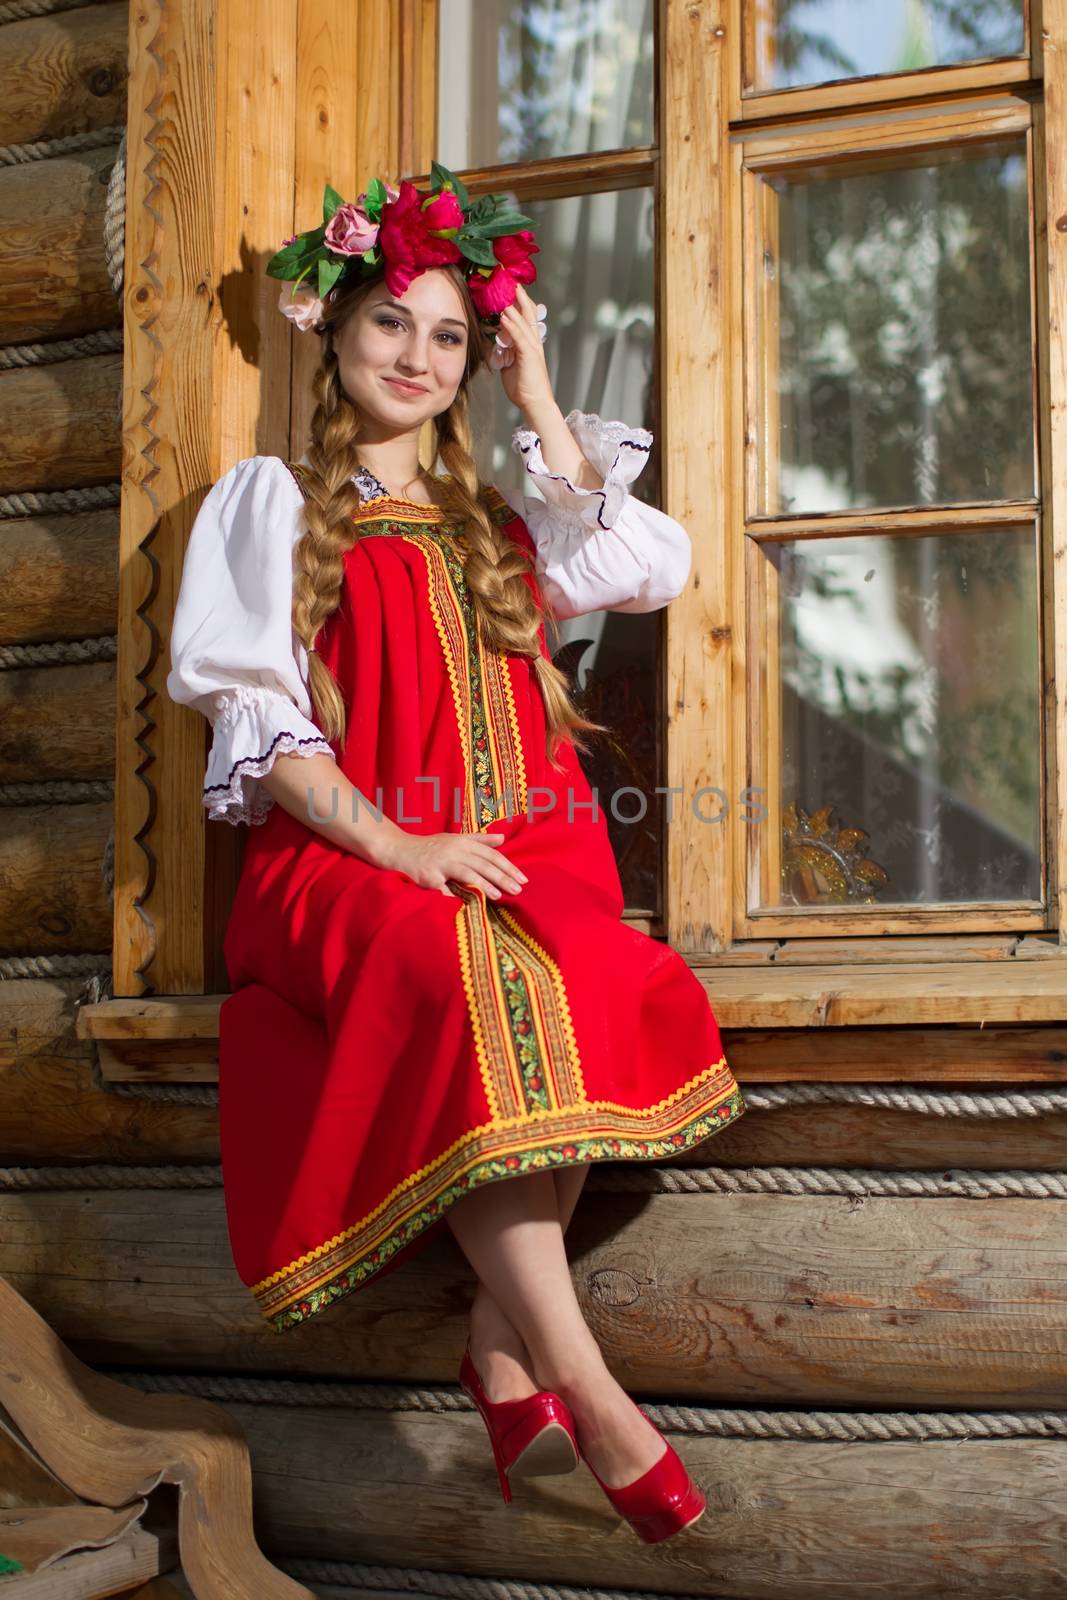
370 487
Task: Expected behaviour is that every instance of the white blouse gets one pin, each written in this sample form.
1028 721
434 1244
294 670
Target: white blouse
236 658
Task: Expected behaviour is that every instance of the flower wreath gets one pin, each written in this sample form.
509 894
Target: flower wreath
411 230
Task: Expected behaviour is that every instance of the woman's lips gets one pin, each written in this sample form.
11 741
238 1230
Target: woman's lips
405 388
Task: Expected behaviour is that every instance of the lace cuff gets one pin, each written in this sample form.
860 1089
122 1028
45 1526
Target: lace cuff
617 451
251 729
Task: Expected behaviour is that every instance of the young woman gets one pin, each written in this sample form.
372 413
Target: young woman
432 987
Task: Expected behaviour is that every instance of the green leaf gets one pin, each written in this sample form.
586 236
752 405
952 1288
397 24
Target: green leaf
477 250
330 202
286 263
505 222
376 199
330 269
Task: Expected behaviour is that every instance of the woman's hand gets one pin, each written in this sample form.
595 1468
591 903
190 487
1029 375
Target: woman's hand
526 381
468 859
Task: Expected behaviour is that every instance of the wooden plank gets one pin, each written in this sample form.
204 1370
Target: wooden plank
558 177
52 1107
926 1518
993 514
957 1054
886 90
111 1445
94 1574
804 997
763 996
808 1299
40 1536
693 223
210 137
868 140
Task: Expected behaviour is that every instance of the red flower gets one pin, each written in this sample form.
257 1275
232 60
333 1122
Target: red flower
569 1151
724 1111
512 1161
305 1307
677 1138
408 234
491 294
535 1082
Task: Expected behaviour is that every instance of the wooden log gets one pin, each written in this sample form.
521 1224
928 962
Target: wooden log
58 576
53 271
924 1518
57 722
51 1108
52 895
805 1299
61 424
64 73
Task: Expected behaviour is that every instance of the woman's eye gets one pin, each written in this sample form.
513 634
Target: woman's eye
394 322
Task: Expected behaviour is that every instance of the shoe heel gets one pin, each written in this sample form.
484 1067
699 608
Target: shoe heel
534 1437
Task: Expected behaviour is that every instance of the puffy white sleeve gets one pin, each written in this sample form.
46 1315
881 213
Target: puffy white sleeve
600 549
234 654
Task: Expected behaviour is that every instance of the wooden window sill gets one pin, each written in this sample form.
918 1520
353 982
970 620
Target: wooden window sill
176 1037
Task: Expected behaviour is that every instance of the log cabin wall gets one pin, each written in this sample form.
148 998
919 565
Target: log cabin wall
852 1307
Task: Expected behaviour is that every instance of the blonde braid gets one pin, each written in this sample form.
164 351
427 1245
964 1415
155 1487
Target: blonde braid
331 499
494 566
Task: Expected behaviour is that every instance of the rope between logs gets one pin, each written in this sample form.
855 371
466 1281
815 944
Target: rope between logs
987 1104
67 144
20 10
857 1183
727 1422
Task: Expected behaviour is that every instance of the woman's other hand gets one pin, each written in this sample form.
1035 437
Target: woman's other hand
526 381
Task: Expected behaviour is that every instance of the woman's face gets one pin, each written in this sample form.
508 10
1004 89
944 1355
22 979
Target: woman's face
420 336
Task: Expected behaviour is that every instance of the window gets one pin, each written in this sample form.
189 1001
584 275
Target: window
553 105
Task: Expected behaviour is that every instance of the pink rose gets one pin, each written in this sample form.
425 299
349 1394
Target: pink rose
350 231
303 308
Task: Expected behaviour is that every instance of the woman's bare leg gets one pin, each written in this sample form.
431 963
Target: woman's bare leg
510 1233
497 1348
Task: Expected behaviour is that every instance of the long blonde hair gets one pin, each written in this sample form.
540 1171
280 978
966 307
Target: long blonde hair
493 563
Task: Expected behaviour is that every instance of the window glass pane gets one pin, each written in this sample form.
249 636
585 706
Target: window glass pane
895 334
595 278
910 706
820 41
525 80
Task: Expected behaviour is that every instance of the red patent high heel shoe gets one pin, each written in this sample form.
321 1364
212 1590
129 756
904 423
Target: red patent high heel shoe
531 1438
662 1502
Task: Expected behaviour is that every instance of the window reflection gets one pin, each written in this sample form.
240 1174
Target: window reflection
525 80
595 276
896 334
823 41
909 717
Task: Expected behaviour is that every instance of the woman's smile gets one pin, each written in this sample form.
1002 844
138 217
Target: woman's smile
402 386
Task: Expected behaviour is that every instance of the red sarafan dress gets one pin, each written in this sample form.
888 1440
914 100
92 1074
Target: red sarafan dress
387 1048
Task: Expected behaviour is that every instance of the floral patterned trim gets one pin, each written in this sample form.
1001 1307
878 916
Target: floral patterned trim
577 1152
597 438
